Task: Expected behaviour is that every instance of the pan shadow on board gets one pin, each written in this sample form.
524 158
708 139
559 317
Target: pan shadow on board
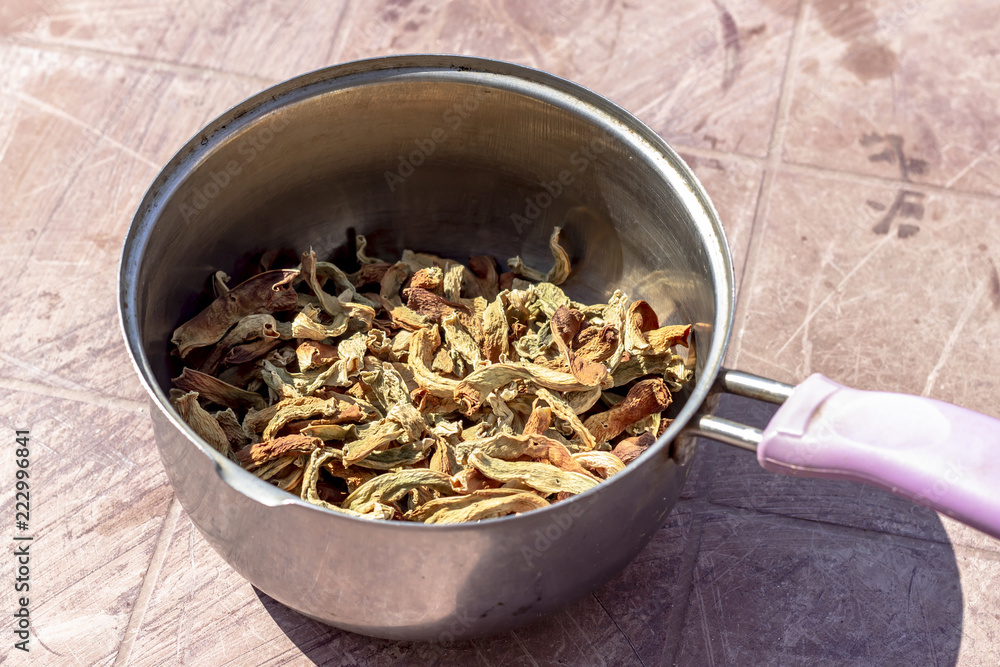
749 568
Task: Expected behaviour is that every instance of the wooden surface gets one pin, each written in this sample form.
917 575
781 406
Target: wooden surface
806 121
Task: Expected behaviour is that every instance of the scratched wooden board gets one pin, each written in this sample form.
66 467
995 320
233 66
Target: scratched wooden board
847 151
917 311
871 96
790 592
201 612
98 498
82 138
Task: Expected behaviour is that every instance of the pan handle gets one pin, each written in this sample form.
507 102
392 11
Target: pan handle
934 453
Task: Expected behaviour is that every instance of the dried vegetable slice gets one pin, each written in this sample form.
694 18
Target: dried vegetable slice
424 389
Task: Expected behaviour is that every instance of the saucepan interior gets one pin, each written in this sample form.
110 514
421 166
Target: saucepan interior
455 156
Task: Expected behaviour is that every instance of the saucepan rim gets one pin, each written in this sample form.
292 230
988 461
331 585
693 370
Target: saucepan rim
593 108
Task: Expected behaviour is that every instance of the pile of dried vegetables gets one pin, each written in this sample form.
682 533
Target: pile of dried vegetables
426 390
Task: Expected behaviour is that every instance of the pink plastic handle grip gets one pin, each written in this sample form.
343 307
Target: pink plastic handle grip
934 453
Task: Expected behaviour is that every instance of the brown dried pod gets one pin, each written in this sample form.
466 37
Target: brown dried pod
629 449
371 273
334 410
599 345
251 351
267 292
200 421
250 328
644 398
216 391
565 325
430 305
506 280
538 421
268 450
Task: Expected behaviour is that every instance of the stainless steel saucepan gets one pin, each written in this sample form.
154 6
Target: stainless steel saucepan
462 156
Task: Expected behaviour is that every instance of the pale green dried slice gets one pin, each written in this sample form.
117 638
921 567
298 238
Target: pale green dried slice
556 275
460 341
214 390
506 446
387 386
392 281
396 457
543 477
279 380
363 257
403 423
267 292
326 432
401 344
501 415
251 327
472 391
521 305
305 407
581 401
269 470
370 510
379 344
534 344
329 303
603 464
496 330
650 424
306 325
423 345
477 506
452 282
548 298
640 366
421 260
332 272
343 284
200 421
393 486
360 316
351 352
565 412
